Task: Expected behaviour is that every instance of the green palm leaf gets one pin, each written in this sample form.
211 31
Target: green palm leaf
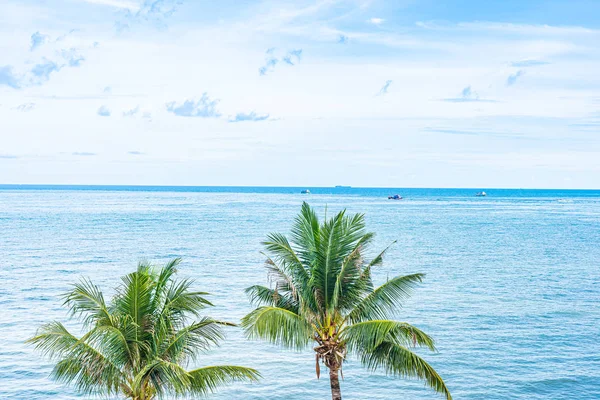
91 371
397 360
138 344
186 342
262 295
364 336
86 300
208 379
324 294
386 299
277 325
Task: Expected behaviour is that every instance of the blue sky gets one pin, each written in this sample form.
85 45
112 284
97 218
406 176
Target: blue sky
307 93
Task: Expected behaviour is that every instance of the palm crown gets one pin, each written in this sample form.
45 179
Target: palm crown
139 344
323 292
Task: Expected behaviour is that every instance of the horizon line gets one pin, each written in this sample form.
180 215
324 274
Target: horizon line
84 185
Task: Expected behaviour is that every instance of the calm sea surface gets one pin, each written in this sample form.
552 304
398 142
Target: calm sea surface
511 296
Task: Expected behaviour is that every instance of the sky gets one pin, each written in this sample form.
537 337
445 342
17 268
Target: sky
301 93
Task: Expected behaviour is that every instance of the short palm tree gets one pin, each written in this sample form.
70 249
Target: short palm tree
138 345
322 293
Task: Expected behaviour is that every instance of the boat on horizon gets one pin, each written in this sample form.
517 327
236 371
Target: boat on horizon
481 194
305 191
342 187
395 197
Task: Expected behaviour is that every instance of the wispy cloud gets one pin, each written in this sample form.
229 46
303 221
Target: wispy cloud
507 27
83 154
107 90
127 5
43 68
72 57
136 153
8 156
37 39
512 79
528 63
8 77
376 21
343 39
25 107
205 107
270 63
42 71
150 11
103 111
132 112
384 88
468 95
466 132
64 35
292 57
252 116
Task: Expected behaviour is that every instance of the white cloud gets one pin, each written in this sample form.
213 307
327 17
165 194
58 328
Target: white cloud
328 98
129 5
376 21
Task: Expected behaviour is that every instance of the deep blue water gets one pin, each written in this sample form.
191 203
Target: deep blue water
511 295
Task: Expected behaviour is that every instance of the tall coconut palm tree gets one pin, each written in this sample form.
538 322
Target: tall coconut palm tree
138 345
322 293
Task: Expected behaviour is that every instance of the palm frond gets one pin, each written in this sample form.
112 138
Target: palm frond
134 298
86 378
114 343
348 288
161 376
305 234
180 300
327 262
365 282
86 300
162 280
280 249
397 360
367 335
206 380
284 282
378 260
262 295
187 342
386 299
79 362
278 325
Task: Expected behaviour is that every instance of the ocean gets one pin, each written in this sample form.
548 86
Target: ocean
511 295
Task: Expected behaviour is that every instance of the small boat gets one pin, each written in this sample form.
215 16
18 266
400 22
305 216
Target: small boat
481 194
305 191
395 197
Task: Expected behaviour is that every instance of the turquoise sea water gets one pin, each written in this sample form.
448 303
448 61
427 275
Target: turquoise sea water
511 296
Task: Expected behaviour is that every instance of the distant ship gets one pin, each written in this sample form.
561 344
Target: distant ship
395 197
481 194
305 191
342 187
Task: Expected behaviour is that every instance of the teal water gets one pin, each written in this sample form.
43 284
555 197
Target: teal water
511 295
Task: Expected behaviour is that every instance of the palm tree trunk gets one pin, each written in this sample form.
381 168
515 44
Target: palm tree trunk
334 382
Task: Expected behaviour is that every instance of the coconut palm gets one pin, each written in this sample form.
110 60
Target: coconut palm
322 293
138 345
